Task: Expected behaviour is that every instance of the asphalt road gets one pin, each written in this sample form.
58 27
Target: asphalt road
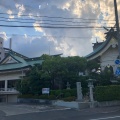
14 112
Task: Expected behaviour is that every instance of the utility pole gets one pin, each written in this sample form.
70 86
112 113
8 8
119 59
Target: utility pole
117 26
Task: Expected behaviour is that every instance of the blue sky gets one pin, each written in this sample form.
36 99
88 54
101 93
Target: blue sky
35 41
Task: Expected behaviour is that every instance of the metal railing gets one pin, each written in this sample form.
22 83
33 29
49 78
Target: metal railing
2 89
8 89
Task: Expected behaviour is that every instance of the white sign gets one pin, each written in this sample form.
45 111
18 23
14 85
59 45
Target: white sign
45 90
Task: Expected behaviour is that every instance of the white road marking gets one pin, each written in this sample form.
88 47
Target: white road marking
106 118
55 110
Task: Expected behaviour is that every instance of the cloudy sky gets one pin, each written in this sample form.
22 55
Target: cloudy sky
39 27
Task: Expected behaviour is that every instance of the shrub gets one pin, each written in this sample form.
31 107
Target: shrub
107 93
50 97
43 96
25 96
69 99
64 93
67 94
54 94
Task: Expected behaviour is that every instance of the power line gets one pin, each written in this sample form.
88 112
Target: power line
38 16
38 36
42 22
74 27
28 20
51 36
82 25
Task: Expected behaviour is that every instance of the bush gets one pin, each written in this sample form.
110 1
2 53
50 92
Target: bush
67 94
107 93
64 93
50 97
43 96
25 96
54 94
69 99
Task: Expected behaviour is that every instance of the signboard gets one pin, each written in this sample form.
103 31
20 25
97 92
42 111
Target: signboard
117 62
45 90
117 72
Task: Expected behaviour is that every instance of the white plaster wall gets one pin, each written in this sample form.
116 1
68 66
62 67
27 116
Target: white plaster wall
109 57
11 75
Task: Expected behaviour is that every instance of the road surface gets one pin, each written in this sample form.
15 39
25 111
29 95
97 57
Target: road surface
46 112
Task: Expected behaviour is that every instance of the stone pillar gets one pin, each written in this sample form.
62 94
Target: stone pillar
91 93
6 84
90 85
79 91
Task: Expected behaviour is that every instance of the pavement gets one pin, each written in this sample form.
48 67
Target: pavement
47 112
100 110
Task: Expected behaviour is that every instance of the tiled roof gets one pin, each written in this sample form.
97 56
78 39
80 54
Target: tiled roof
22 63
101 47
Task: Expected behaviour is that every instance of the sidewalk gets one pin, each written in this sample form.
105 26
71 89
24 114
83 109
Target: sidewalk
2 114
100 110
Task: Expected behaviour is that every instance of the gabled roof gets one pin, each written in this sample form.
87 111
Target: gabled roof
18 54
21 62
111 34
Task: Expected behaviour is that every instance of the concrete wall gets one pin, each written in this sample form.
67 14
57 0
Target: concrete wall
66 104
12 99
8 98
34 101
108 103
73 104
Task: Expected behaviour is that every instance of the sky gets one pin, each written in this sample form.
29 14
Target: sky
55 26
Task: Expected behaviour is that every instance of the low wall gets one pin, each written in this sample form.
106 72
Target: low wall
73 104
108 103
33 101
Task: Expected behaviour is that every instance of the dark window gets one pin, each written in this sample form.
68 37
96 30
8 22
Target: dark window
2 84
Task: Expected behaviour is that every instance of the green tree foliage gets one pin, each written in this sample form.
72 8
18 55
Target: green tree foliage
92 64
63 69
33 82
54 73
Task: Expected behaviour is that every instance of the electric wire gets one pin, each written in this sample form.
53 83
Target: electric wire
38 16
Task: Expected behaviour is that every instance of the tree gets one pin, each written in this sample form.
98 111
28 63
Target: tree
54 73
33 82
63 69
92 65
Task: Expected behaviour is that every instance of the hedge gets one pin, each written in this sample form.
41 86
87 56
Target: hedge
54 94
107 93
64 93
